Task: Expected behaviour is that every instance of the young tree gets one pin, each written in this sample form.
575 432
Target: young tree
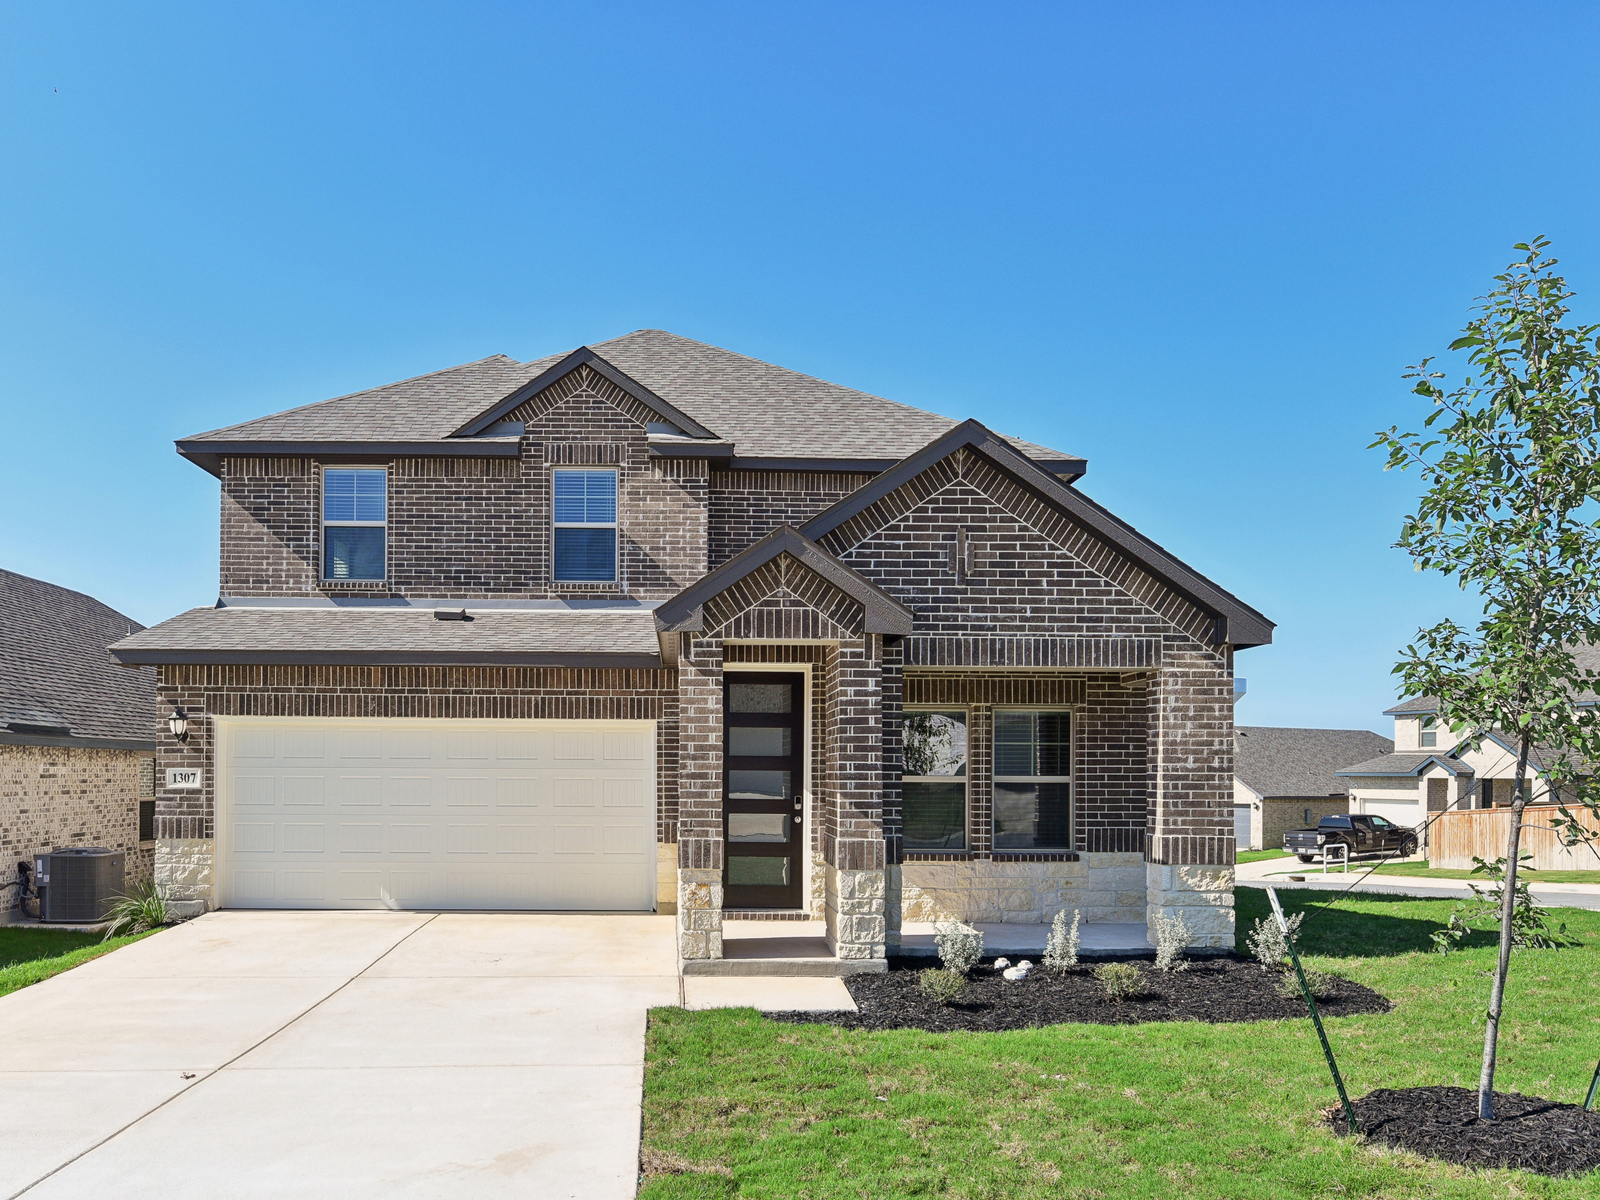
1511 463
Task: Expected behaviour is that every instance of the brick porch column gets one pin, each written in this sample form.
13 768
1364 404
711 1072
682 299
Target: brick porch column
699 797
1189 847
853 846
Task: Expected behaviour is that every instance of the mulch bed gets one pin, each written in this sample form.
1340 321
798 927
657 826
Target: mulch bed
1223 989
1442 1123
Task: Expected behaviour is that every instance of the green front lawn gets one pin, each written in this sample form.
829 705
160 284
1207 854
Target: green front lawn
1259 855
1422 868
30 954
762 1109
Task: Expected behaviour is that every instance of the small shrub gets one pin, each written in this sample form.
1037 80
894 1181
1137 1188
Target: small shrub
1122 981
1321 983
960 945
1061 948
144 907
1266 941
1172 939
941 986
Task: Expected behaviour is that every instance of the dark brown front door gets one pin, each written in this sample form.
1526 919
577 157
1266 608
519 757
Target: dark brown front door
762 784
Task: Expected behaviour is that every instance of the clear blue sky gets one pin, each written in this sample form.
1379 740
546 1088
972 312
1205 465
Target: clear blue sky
1195 243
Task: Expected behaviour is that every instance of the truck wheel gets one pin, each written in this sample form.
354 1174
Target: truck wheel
1408 848
1306 858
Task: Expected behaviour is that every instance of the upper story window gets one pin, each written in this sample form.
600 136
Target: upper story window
1429 737
933 781
1032 779
585 526
355 509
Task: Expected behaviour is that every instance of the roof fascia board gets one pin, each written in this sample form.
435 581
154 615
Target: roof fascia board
379 658
1242 626
1068 469
83 743
684 613
583 356
209 455
690 450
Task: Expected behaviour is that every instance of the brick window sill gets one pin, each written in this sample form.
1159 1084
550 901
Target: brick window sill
937 856
1034 856
353 585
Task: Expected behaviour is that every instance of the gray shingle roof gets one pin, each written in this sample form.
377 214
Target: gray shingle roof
1396 765
54 668
1300 762
766 410
616 637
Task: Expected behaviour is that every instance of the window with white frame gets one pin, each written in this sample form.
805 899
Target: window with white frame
1429 737
933 780
355 510
1032 779
585 526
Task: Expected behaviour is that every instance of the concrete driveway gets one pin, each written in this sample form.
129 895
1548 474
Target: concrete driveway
338 1054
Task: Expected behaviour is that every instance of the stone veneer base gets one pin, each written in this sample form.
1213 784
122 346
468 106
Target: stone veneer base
1103 887
1201 895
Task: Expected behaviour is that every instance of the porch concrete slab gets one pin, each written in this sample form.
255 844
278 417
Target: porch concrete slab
50 1117
745 930
270 945
87 1020
433 1022
767 993
378 1132
484 945
1099 939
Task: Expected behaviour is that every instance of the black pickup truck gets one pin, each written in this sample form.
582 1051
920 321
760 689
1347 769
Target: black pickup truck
1360 834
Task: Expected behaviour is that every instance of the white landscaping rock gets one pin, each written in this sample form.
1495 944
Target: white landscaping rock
1016 974
1000 964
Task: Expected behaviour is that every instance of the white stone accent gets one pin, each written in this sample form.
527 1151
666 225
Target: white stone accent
666 878
819 887
854 914
1201 895
699 913
183 873
1103 887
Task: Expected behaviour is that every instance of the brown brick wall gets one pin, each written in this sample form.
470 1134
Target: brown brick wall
54 796
1191 757
745 506
269 527
521 693
700 843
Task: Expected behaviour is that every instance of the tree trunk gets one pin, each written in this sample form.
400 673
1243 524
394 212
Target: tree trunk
1508 906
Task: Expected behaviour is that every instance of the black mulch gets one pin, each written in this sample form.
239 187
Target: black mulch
1442 1122
1212 989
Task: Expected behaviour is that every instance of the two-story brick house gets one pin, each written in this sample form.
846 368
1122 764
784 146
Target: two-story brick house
654 625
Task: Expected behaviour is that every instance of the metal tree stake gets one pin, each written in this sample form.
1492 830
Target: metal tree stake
1316 1019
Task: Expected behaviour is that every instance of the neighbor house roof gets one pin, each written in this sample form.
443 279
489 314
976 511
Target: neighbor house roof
1395 766
1586 657
57 683
1274 762
772 416
400 636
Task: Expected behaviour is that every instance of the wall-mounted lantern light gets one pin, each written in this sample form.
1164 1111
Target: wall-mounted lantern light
179 724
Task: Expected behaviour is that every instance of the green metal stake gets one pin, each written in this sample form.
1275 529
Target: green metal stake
1316 1019
1594 1086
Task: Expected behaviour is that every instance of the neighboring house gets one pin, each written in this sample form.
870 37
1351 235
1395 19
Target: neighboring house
77 739
1433 770
1286 778
655 625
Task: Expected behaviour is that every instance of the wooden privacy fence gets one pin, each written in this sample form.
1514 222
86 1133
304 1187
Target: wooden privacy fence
1461 833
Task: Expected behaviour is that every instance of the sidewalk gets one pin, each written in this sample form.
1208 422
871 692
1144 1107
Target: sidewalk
1277 872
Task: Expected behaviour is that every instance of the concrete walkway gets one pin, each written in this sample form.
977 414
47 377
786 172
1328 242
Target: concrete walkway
338 1054
1276 872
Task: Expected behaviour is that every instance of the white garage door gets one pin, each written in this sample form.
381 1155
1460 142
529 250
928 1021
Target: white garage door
1241 825
435 814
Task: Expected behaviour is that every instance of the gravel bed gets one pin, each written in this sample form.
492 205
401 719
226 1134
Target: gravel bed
1442 1122
1224 989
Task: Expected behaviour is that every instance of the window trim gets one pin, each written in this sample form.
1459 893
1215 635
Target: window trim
615 525
1428 727
323 524
995 778
964 779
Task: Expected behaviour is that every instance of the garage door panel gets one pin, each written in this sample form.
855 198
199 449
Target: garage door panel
518 815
